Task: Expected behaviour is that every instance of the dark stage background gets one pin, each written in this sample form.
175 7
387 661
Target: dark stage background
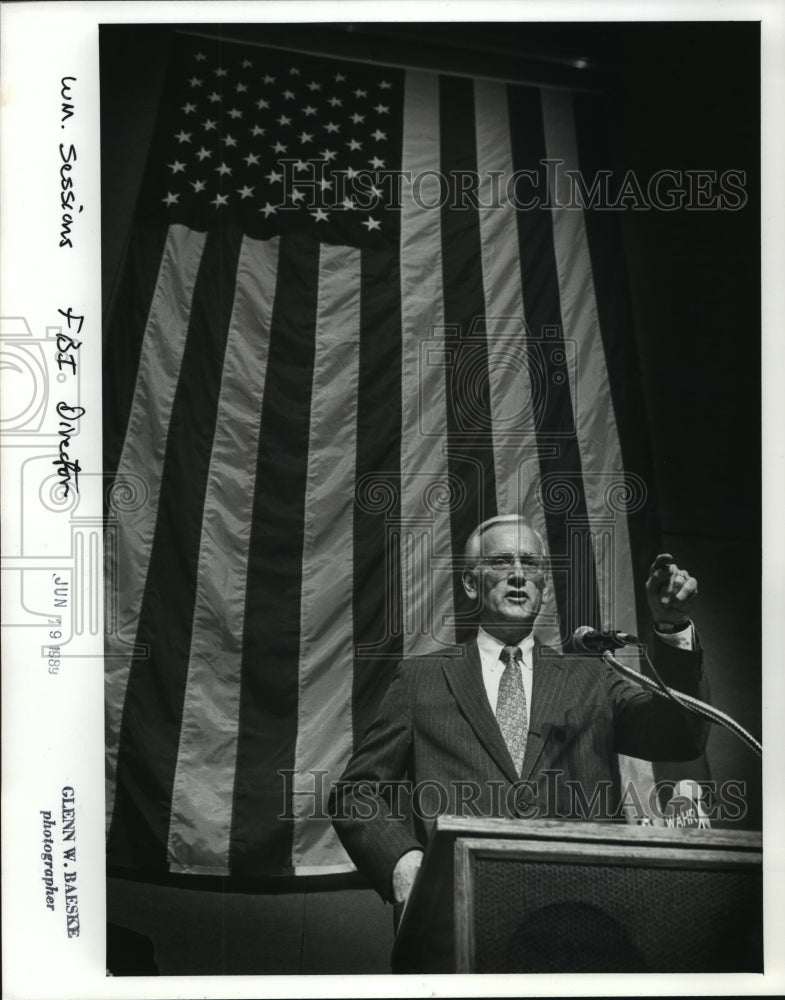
685 96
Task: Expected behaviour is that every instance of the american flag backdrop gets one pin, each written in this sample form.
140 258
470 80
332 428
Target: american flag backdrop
358 315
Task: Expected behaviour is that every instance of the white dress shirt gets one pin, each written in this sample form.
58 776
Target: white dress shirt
493 668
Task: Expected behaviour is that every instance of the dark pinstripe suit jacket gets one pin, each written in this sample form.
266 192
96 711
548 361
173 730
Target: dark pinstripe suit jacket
436 730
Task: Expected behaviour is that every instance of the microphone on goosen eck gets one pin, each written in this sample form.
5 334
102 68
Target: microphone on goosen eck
590 640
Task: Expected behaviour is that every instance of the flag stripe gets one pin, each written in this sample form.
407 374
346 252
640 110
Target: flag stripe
156 685
516 460
271 639
614 311
426 566
603 472
127 554
204 779
469 442
574 579
125 333
377 571
324 733
596 423
615 316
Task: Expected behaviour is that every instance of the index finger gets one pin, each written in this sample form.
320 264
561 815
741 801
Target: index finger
662 561
662 578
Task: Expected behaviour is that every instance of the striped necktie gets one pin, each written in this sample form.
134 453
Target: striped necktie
511 705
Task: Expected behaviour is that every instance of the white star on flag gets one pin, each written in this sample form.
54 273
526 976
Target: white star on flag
170 199
327 106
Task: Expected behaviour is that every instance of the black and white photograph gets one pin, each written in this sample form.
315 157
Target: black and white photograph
399 496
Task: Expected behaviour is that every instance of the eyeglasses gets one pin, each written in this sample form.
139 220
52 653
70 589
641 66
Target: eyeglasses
504 562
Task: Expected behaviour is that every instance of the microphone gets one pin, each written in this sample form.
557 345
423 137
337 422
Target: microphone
590 640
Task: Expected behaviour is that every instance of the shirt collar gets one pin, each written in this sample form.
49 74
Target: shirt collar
491 647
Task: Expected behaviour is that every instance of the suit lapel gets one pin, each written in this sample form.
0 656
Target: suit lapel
547 682
464 676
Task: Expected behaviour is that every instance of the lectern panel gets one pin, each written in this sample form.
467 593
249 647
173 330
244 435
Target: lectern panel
498 895
570 916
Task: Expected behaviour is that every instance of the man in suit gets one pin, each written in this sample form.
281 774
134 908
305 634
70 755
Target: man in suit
510 727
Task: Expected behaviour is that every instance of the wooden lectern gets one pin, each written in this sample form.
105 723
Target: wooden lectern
500 895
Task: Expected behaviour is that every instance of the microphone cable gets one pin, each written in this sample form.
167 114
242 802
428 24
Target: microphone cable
659 687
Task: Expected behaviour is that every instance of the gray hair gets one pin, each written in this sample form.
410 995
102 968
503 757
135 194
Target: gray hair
472 548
